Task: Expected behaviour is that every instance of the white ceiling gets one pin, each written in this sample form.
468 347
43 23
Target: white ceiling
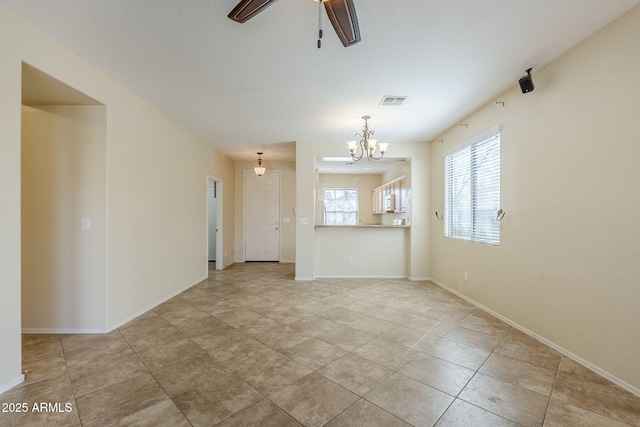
345 165
261 85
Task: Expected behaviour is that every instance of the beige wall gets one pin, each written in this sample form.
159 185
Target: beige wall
10 99
373 252
306 180
157 208
63 182
223 169
156 190
287 207
568 265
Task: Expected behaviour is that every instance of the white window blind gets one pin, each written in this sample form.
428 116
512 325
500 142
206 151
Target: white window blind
472 189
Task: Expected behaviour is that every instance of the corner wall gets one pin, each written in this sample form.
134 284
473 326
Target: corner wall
10 276
568 264
63 183
156 214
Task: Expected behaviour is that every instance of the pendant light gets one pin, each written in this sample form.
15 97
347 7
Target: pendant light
259 170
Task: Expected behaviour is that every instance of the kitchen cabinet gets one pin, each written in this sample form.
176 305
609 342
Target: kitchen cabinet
390 197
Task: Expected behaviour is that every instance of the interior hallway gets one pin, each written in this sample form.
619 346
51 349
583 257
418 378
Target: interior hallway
250 346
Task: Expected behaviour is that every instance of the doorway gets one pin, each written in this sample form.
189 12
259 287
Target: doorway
262 216
215 253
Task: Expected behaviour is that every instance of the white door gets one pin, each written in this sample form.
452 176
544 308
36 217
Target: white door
262 216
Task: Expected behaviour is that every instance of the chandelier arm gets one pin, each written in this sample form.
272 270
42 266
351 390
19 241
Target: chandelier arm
356 158
362 150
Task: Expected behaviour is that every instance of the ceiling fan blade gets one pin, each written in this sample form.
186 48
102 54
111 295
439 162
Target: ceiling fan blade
342 14
247 9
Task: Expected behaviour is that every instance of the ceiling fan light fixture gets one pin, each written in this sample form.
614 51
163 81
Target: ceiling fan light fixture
247 9
341 13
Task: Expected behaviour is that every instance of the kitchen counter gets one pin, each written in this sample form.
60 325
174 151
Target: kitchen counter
367 250
363 226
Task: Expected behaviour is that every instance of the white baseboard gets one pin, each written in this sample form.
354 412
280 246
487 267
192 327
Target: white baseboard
62 331
551 344
10 384
361 276
109 329
155 304
304 279
418 279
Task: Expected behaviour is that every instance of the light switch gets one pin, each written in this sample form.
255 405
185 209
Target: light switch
304 221
86 224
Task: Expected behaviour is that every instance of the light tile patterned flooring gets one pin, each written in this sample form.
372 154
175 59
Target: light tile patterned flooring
250 346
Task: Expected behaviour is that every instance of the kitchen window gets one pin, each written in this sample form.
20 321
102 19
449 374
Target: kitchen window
472 189
341 206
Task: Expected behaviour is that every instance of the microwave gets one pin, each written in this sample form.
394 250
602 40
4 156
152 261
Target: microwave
390 203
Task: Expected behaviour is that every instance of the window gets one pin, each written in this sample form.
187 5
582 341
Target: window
472 189
341 206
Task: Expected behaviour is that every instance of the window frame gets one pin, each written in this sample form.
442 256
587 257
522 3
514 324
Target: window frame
327 211
462 219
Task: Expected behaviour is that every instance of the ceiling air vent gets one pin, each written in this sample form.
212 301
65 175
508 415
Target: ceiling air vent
393 100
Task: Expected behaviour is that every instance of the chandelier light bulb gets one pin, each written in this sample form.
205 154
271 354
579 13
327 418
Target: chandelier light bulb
353 146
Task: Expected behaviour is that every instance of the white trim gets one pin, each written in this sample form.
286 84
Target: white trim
10 384
361 276
338 276
628 387
152 306
62 331
107 154
481 137
219 225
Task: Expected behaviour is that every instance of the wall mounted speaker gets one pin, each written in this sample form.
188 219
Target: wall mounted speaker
526 82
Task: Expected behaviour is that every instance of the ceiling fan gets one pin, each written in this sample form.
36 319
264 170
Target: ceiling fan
341 13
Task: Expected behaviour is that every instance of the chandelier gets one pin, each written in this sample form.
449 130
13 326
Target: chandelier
259 170
366 146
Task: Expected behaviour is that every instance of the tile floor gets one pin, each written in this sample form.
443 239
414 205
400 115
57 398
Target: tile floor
251 347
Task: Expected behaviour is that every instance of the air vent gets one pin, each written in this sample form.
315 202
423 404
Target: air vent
393 100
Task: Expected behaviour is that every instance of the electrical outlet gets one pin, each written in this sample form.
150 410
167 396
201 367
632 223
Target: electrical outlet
349 260
466 276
